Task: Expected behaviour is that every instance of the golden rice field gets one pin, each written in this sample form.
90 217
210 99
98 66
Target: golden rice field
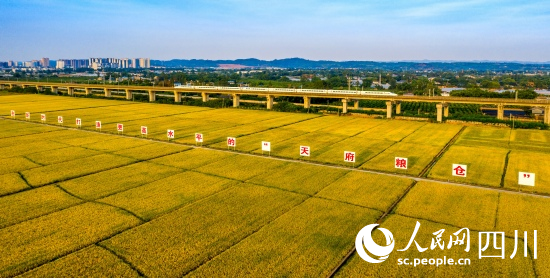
90 203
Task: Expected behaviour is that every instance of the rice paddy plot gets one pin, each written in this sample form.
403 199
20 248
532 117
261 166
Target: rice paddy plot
485 136
299 178
433 134
193 158
240 167
44 103
530 140
485 165
32 203
115 143
115 180
526 214
364 149
530 162
252 142
26 148
24 130
152 199
73 169
185 129
331 229
180 241
60 155
391 130
318 123
450 204
402 228
367 190
16 164
150 151
220 135
40 240
10 183
291 148
233 116
418 155
350 127
92 261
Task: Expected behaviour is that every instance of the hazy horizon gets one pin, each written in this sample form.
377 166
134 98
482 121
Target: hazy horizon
452 31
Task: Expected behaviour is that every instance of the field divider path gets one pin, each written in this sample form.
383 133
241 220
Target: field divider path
502 179
436 158
378 221
102 203
124 260
485 187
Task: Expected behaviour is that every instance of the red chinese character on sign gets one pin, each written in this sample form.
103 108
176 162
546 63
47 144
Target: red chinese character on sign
231 142
400 163
119 127
143 130
198 137
170 133
459 171
304 151
526 175
349 157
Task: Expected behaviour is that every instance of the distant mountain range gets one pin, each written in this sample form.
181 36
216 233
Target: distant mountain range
299 63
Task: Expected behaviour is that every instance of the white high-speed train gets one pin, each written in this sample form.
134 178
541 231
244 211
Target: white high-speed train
285 90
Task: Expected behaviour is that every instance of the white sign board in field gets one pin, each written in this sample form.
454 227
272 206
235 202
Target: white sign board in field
144 130
98 125
460 170
60 119
401 163
231 142
27 115
119 128
527 179
266 146
170 134
199 138
78 122
305 151
43 117
349 156
12 113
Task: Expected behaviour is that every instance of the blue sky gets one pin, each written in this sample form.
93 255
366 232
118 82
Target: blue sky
311 29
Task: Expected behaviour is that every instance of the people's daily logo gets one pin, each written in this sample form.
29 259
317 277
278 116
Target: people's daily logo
490 244
364 241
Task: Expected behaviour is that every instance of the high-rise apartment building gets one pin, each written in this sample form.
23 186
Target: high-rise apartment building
45 62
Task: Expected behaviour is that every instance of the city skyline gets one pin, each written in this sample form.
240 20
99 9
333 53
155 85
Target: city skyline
315 30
